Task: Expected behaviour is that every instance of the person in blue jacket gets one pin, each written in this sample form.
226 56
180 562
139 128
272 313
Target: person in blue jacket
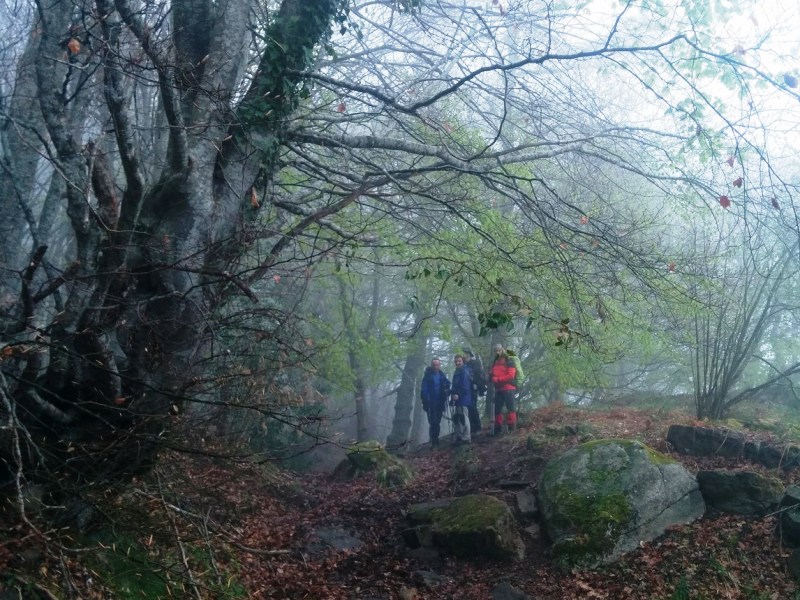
434 392
461 398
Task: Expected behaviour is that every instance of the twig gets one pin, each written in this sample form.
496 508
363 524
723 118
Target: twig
781 510
192 582
43 591
259 551
65 572
207 538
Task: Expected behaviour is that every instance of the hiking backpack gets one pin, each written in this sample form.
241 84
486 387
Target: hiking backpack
519 378
478 376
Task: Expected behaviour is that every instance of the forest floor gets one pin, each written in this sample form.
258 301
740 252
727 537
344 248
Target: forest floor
247 532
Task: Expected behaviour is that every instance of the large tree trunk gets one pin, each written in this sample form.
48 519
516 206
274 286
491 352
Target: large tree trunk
359 385
407 397
96 385
21 145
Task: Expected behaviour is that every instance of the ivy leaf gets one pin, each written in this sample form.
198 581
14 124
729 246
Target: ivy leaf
724 201
74 46
738 182
730 161
775 204
341 108
671 267
790 80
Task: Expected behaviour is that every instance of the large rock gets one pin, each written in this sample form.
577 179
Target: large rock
600 499
730 443
740 492
469 526
506 591
790 517
372 457
332 539
706 441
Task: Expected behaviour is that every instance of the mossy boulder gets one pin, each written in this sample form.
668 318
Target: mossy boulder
372 457
740 492
600 499
790 517
468 527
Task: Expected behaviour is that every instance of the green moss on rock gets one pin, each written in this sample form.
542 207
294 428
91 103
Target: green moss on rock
595 520
655 456
371 456
469 513
592 498
474 526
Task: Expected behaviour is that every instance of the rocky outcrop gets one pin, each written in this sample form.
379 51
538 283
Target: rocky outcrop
730 443
506 591
600 499
740 492
372 457
706 441
789 523
332 539
468 527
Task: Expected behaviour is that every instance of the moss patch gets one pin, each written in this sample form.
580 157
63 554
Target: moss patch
591 513
580 429
131 570
127 569
629 445
370 456
596 522
394 475
472 527
469 513
536 442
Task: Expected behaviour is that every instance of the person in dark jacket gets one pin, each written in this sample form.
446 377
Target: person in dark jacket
478 389
461 399
434 392
502 374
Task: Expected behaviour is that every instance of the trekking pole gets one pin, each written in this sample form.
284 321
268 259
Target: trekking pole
449 414
494 412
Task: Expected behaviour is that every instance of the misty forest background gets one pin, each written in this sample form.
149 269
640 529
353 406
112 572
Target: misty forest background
244 228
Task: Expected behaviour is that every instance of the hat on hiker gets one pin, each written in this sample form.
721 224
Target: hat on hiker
467 351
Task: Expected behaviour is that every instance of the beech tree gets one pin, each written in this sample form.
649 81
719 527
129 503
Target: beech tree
162 126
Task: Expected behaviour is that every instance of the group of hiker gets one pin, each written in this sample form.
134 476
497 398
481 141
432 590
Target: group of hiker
469 383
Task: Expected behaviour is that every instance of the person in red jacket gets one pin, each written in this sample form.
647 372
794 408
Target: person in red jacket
502 375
